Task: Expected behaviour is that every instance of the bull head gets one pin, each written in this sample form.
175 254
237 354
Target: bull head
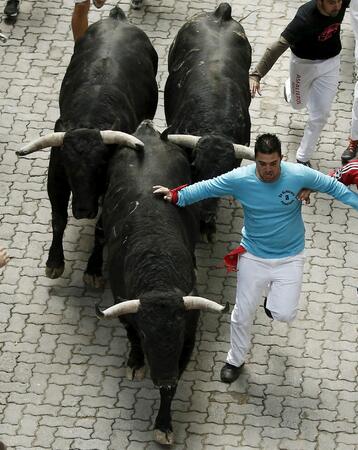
190 141
56 140
132 306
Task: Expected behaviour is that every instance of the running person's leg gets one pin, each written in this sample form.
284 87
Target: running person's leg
253 277
285 288
301 76
321 94
79 21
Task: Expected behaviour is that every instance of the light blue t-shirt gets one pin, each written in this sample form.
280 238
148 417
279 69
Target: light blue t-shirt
273 225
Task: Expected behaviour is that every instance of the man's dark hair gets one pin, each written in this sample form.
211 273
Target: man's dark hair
267 143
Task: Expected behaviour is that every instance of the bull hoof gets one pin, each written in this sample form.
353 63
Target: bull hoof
135 374
136 4
54 272
94 281
164 438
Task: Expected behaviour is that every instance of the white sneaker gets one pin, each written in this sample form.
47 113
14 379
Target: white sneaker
287 91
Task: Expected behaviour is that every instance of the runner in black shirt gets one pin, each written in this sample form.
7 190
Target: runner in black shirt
314 38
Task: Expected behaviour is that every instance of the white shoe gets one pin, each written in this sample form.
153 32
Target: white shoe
287 91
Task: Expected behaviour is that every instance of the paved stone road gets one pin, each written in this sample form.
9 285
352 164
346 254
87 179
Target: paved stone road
62 374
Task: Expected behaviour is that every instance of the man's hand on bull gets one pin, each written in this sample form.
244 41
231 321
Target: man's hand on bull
164 191
304 196
254 85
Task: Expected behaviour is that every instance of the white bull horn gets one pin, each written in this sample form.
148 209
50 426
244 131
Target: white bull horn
127 307
120 138
50 140
187 140
193 302
243 152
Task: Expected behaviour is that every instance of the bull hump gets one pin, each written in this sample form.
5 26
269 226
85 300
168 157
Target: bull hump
223 11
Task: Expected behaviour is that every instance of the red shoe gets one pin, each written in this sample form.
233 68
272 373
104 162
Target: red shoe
350 152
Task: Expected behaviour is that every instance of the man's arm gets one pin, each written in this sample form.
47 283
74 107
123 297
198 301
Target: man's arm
186 195
269 58
317 181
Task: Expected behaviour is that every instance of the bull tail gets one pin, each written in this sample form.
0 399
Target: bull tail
117 13
223 12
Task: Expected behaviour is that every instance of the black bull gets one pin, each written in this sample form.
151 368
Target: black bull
151 261
207 95
109 86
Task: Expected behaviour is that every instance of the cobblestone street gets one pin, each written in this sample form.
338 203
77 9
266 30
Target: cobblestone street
63 378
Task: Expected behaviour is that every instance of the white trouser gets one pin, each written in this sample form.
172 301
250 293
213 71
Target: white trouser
354 21
354 126
313 84
282 280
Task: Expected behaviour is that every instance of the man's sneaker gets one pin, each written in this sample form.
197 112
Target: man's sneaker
350 152
230 373
267 311
304 163
99 3
287 91
12 8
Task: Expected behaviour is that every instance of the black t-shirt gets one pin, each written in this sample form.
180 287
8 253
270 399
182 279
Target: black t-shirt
312 35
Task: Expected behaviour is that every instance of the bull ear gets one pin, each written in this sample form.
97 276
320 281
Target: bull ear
59 125
164 135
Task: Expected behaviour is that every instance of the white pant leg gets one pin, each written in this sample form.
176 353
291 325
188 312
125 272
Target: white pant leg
354 126
252 279
285 290
353 9
302 74
320 97
284 278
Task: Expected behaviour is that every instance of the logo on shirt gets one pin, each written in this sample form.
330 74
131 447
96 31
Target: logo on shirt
328 32
287 197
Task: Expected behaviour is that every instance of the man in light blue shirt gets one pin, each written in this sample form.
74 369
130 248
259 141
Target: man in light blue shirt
272 236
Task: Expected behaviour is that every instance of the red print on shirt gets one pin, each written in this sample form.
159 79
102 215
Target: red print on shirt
328 32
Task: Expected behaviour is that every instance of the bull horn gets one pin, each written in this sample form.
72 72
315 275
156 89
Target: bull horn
193 302
118 137
187 140
50 140
243 152
127 307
